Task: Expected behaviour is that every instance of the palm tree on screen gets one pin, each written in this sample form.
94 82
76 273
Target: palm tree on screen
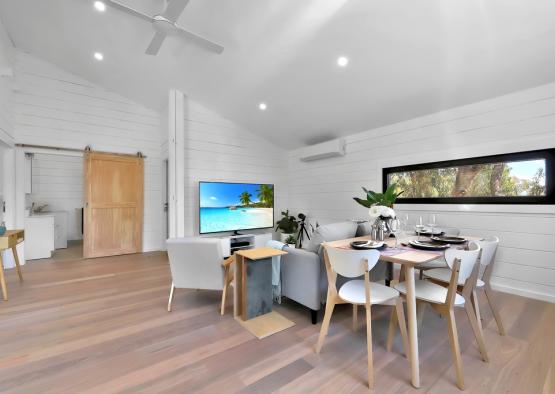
245 198
266 195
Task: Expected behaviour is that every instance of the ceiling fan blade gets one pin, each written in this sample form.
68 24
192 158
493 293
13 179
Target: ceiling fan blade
128 10
156 43
174 8
199 40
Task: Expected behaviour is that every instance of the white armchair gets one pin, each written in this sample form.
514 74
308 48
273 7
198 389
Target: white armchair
198 263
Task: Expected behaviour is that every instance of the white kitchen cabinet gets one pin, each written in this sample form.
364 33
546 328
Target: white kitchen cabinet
60 227
39 237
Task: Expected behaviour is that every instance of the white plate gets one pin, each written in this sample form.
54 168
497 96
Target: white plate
370 245
428 230
426 245
374 244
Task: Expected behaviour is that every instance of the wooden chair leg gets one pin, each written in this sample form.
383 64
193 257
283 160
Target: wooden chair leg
3 280
478 334
420 310
455 348
369 346
224 291
476 306
401 275
171 298
402 325
391 330
355 317
16 258
330 304
421 275
497 317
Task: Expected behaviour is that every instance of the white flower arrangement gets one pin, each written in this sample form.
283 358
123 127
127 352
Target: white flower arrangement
377 211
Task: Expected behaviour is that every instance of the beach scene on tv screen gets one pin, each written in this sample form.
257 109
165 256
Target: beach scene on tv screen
235 206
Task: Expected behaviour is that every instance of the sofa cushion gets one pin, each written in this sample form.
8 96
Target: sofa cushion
364 228
331 232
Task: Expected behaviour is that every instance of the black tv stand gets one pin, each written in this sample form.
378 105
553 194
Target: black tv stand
235 232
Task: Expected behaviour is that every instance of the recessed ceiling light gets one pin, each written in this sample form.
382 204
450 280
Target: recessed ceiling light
100 6
262 106
98 56
342 61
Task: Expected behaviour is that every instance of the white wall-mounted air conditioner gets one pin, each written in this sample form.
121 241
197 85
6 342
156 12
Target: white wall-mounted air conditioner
6 72
325 150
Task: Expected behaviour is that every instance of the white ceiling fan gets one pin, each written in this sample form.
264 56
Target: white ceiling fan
165 24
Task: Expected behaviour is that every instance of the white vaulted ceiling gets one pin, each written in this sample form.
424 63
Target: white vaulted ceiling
406 58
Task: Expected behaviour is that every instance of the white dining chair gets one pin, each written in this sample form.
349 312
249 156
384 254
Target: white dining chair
353 264
487 257
463 269
198 263
451 231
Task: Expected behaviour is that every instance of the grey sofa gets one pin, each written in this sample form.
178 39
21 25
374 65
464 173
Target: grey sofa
303 273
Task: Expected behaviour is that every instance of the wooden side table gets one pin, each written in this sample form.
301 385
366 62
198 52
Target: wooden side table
253 292
9 241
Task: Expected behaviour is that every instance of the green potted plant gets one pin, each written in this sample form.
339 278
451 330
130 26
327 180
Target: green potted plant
291 240
386 199
380 210
287 225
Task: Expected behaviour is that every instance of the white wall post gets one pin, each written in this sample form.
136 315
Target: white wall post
8 186
176 163
14 197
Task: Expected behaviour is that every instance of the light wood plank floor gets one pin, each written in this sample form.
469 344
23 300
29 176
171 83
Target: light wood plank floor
101 326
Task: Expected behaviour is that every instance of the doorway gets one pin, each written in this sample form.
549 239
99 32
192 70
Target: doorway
102 193
53 205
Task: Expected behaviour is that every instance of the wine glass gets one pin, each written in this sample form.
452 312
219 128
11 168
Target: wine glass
419 227
395 227
405 220
432 223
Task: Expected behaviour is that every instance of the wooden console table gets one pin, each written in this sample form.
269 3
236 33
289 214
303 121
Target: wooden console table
253 296
9 241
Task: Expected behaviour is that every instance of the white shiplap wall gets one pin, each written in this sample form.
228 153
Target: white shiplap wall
6 107
55 108
517 122
216 149
6 95
6 111
58 182
2 149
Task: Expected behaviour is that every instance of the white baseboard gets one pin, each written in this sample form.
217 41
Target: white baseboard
154 248
523 292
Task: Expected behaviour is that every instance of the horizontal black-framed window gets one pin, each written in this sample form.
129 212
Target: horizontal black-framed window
511 178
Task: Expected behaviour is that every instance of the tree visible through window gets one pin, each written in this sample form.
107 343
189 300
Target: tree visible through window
526 178
509 178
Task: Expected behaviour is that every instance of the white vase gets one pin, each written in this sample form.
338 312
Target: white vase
283 237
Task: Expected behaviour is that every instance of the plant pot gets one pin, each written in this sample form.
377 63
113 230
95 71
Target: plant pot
283 237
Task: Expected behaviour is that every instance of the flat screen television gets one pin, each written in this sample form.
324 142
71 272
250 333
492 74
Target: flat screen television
225 206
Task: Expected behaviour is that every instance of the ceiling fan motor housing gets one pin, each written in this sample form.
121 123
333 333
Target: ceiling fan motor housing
163 25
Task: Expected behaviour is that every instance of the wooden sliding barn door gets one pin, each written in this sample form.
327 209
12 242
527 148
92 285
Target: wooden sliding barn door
113 217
